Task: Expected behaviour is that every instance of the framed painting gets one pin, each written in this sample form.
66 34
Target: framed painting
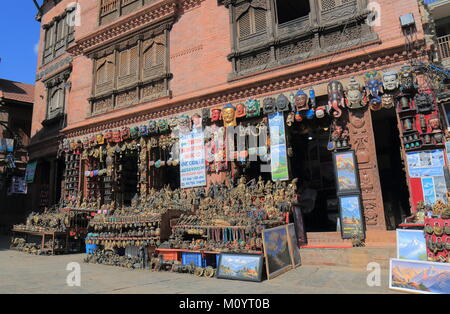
293 246
419 277
246 267
352 219
347 180
276 251
411 245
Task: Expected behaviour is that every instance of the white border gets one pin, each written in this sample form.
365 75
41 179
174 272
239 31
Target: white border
417 262
406 230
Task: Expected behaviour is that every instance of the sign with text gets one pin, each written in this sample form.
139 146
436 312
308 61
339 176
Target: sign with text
278 151
192 160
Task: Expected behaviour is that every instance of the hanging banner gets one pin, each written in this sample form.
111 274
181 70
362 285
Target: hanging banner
30 172
192 160
278 151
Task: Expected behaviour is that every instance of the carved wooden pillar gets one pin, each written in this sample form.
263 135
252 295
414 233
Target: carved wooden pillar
363 142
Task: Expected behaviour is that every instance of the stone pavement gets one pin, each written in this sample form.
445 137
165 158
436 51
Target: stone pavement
24 273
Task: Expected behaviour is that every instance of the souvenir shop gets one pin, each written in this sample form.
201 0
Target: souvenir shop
195 192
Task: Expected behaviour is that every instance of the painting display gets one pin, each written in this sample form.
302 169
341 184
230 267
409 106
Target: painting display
192 160
419 277
352 223
411 245
246 267
346 174
276 251
293 246
426 163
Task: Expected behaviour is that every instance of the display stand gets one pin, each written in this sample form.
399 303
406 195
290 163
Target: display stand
43 235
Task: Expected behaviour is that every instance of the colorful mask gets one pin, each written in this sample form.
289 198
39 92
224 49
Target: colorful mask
143 130
374 88
387 101
163 125
134 132
408 83
216 114
336 99
240 111
390 81
229 115
99 139
253 108
152 127
125 133
301 101
269 105
116 136
355 97
184 124
108 136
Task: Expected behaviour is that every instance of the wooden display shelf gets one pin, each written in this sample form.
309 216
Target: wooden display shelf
43 234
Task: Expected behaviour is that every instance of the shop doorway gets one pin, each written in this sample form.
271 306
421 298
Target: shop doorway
128 174
312 164
391 167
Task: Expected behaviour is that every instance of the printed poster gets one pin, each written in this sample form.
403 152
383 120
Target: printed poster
192 160
278 150
426 164
351 216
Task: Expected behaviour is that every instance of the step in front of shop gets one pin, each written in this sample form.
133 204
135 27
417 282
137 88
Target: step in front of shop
329 249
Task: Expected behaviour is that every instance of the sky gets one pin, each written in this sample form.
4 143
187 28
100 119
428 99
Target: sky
19 37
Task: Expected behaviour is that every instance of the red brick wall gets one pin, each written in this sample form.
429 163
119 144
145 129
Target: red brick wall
200 42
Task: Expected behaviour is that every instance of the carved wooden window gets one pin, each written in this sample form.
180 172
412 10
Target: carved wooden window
154 55
56 101
326 5
105 74
58 34
128 66
112 9
132 71
252 21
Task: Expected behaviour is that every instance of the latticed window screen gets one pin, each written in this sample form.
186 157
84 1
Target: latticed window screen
49 37
154 55
105 72
253 21
56 101
60 30
128 62
326 5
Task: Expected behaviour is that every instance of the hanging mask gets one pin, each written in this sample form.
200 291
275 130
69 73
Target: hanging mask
116 136
424 102
374 88
205 116
253 108
229 115
216 114
269 105
282 103
387 101
125 133
152 127
336 99
355 97
240 111
163 126
143 131
408 82
108 136
390 81
197 121
184 124
134 132
301 101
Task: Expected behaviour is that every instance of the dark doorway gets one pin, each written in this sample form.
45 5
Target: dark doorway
289 10
312 164
391 167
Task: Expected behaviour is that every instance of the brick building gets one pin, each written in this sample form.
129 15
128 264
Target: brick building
108 64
